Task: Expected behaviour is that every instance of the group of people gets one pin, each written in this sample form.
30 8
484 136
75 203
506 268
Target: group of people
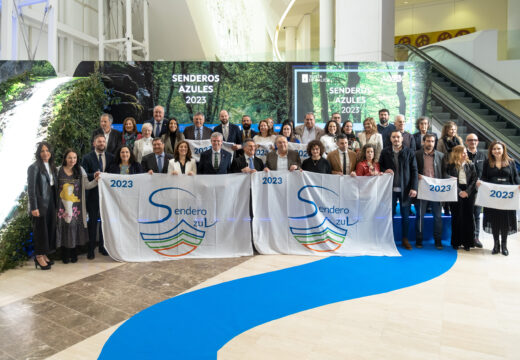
60 198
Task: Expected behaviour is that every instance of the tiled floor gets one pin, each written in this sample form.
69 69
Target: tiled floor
470 312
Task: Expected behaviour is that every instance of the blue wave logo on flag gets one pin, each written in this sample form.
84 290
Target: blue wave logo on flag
325 237
184 237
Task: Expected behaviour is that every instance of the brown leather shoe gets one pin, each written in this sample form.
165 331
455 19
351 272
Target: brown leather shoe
406 244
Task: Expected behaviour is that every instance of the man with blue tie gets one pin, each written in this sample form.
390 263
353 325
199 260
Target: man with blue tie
94 162
215 160
156 162
197 131
247 162
159 123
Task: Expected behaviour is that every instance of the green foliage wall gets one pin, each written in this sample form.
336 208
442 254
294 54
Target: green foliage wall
77 108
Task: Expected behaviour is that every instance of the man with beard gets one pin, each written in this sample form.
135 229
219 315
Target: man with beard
94 162
430 162
384 127
400 161
230 132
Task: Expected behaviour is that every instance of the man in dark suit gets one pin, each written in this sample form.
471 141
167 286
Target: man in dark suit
215 160
400 161
159 123
430 162
408 139
95 161
156 162
230 132
197 131
282 158
113 137
247 162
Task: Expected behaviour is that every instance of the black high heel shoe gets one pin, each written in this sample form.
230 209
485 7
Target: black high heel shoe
43 267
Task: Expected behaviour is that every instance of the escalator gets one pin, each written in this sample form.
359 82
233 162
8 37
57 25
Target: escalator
465 94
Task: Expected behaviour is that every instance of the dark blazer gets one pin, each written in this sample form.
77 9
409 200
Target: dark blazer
439 166
234 136
115 139
478 160
471 177
149 162
418 140
164 126
189 133
206 163
252 133
292 159
135 168
408 140
407 169
241 162
91 165
39 188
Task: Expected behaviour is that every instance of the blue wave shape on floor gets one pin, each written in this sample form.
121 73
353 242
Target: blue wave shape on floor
197 324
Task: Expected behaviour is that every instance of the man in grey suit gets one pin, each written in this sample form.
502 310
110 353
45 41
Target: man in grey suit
430 162
197 131
309 131
282 158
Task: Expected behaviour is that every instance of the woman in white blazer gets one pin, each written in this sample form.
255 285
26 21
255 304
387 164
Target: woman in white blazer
371 136
182 162
144 146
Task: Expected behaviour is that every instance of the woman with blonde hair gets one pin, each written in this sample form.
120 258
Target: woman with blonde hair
371 136
462 224
449 138
499 168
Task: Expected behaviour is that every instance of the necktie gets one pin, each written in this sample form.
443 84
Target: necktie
157 129
251 163
344 163
225 131
159 162
100 159
215 161
197 137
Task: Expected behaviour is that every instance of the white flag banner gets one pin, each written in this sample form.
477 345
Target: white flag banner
494 196
197 147
300 148
164 217
306 213
262 149
432 189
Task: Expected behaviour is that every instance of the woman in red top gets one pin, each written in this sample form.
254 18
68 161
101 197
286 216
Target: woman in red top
367 166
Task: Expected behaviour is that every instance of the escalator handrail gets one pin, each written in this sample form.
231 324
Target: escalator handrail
490 103
514 91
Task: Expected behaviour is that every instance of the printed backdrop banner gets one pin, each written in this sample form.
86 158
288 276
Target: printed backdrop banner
305 213
197 147
503 197
432 189
164 217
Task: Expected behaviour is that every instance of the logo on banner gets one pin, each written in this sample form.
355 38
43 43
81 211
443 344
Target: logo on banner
327 236
185 236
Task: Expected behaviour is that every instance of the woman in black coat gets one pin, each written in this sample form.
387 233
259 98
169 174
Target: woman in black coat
124 163
462 224
42 192
499 168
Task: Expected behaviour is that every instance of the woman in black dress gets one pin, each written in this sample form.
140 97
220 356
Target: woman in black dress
42 191
462 225
124 163
499 168
316 162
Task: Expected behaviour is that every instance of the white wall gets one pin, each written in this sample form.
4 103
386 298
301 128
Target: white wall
451 14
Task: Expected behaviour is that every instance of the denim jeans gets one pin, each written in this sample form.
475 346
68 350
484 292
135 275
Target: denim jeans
437 220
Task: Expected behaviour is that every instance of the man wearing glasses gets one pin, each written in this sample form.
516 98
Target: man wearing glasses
477 158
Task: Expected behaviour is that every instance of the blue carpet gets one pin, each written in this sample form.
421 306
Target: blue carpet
197 324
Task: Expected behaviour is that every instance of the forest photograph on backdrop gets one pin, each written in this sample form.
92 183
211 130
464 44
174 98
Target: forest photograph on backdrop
263 89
